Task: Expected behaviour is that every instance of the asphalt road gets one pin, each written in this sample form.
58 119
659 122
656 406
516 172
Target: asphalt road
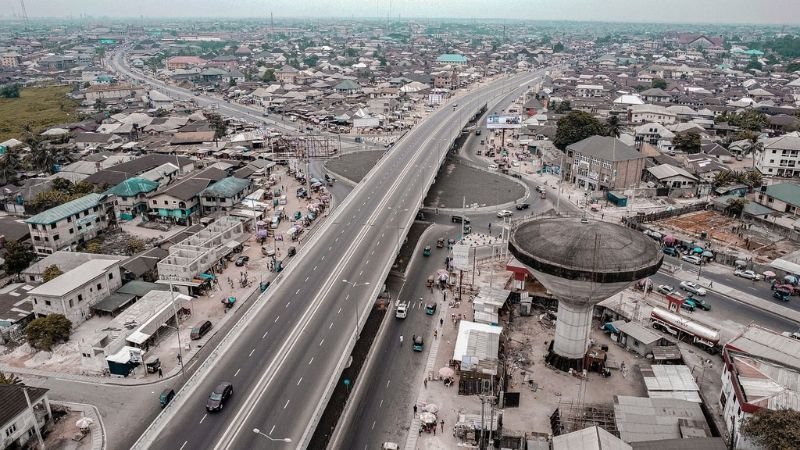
286 357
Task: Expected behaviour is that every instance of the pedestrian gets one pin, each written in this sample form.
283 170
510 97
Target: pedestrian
442 424
435 334
160 373
425 382
415 409
434 429
441 322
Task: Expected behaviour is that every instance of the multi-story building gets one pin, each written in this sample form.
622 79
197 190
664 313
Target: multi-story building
589 90
650 113
761 370
224 194
114 91
601 162
22 414
57 63
10 59
71 223
131 196
780 157
180 201
184 62
656 135
287 75
76 291
781 197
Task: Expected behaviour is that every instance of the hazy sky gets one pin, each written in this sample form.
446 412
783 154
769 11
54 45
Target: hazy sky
713 11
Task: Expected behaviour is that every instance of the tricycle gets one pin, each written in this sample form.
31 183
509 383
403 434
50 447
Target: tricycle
426 251
440 243
228 302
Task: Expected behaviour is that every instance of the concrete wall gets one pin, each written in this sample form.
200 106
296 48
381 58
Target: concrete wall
76 305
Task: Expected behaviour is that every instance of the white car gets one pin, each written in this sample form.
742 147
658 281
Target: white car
749 274
693 288
493 167
665 289
402 311
514 164
504 213
692 259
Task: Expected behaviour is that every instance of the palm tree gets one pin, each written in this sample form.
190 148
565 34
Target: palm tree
736 206
613 127
10 378
9 165
722 178
41 157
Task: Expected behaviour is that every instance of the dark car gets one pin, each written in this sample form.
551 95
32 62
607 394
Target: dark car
671 251
700 303
459 219
521 206
242 260
219 396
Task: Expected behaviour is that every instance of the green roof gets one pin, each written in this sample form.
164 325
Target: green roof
785 192
132 187
452 58
226 187
347 85
65 210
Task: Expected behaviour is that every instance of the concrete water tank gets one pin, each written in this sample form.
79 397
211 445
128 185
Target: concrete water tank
581 262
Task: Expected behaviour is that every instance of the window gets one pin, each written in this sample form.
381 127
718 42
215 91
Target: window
99 286
47 302
10 430
37 238
69 219
70 303
71 231
52 226
111 276
86 213
80 297
56 237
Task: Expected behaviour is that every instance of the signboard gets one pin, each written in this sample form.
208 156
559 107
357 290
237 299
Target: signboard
496 122
461 256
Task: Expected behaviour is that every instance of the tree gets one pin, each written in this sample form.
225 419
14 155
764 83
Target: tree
10 164
45 200
52 272
18 257
10 91
613 127
688 142
94 246
10 378
754 64
659 83
722 178
736 206
558 47
218 123
134 246
576 126
350 52
46 332
311 60
562 107
269 76
773 429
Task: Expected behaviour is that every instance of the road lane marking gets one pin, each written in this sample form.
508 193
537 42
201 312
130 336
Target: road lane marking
184 444
347 297
339 312
321 342
310 360
204 418
372 253
287 404
305 282
315 267
381 404
287 305
298 291
329 248
387 383
251 353
323 258
330 326
265 335
361 273
271 430
276 319
373 424
234 375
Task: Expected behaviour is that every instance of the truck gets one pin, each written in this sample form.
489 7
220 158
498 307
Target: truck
698 334
401 310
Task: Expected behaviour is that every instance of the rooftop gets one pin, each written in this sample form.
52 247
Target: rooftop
227 187
452 58
592 438
65 210
14 402
645 419
605 148
67 282
132 187
786 192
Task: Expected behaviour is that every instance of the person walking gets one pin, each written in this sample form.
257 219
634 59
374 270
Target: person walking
415 409
425 382
160 373
442 424
441 322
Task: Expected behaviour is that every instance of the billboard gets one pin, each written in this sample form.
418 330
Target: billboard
495 122
461 260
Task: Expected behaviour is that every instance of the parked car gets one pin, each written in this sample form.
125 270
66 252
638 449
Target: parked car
220 394
694 288
242 260
493 167
540 188
430 309
781 294
748 274
521 206
689 304
504 213
665 289
794 290
692 259
200 330
700 303
672 251
478 132
459 219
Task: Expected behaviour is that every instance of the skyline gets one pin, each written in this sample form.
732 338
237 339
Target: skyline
717 12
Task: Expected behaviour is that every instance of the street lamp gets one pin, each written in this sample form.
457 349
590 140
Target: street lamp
257 431
171 277
354 285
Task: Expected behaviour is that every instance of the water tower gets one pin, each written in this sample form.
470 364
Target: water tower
581 262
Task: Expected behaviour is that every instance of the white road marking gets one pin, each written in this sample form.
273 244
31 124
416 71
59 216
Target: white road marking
251 353
276 319
265 335
321 342
323 258
184 444
347 297
299 381
305 281
204 418
361 273
315 267
287 304
237 373
329 248
387 383
271 430
310 360
336 240
373 424
381 404
287 404
340 311
298 291
372 253
367 263
330 326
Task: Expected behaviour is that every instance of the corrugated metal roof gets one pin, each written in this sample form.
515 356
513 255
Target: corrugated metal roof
132 187
227 187
65 210
592 438
65 283
638 332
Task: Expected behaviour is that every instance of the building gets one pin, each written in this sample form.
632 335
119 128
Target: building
780 157
287 75
180 201
18 420
224 194
452 59
158 100
131 196
150 166
656 135
761 371
114 91
589 90
655 95
601 162
190 259
676 181
671 381
650 113
10 59
781 197
76 291
637 338
646 419
184 62
72 223
477 349
57 63
591 438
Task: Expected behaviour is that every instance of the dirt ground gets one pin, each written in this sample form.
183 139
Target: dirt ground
724 231
61 434
354 166
457 182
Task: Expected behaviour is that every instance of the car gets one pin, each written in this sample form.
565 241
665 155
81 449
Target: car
781 294
220 395
504 213
671 251
748 274
478 132
459 219
700 303
430 309
688 304
694 288
493 167
692 259
242 260
540 188
426 251
521 206
401 311
418 343
665 289
514 164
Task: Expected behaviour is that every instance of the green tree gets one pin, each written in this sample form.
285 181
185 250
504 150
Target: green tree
562 107
659 83
311 60
688 142
46 200
722 178
773 429
10 90
754 64
10 378
558 47
576 126
736 206
18 257
269 76
10 163
134 246
350 52
51 272
613 126
94 246
218 123
46 332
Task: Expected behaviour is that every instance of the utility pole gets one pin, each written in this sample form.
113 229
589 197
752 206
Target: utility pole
30 408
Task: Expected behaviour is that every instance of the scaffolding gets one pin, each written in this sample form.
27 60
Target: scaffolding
573 416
